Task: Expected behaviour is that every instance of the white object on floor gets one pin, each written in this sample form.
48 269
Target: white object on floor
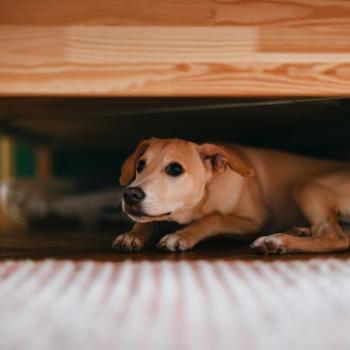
175 305
23 200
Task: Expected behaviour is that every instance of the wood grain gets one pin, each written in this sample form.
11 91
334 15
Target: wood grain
166 48
174 13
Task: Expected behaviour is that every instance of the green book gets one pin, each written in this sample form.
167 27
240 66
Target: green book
17 159
24 160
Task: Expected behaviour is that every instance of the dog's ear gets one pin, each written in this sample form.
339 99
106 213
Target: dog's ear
218 158
129 166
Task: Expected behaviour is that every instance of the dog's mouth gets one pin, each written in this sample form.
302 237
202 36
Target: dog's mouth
142 215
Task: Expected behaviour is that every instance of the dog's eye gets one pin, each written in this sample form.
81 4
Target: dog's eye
140 165
174 169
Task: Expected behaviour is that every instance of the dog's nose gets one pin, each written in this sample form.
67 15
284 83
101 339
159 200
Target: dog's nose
133 195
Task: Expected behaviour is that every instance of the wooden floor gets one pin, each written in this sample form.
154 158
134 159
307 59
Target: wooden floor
96 245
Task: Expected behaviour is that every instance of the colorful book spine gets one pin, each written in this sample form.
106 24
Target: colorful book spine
6 173
23 160
6 158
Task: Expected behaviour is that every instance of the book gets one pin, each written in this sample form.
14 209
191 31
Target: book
20 160
6 158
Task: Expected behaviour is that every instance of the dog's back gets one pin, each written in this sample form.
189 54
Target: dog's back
277 173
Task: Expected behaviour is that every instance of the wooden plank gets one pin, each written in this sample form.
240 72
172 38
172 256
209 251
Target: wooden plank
166 48
174 13
107 12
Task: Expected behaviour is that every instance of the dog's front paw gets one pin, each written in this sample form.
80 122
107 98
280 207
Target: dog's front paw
128 242
176 242
273 244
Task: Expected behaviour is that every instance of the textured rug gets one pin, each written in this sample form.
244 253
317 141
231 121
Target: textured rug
175 305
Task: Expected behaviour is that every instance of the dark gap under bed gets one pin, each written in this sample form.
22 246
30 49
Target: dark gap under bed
89 138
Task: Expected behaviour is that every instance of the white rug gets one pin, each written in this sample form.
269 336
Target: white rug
67 305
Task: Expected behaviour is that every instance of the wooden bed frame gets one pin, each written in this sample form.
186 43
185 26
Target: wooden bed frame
175 48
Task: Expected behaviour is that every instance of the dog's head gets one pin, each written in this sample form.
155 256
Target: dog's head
168 176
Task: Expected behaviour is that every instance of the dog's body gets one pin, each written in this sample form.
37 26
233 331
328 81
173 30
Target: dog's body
235 190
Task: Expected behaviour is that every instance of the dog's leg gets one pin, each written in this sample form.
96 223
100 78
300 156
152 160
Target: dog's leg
319 205
300 231
135 239
206 227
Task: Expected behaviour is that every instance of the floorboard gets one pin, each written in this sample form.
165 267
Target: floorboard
96 245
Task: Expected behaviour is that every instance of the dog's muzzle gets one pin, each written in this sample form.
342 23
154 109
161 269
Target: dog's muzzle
133 195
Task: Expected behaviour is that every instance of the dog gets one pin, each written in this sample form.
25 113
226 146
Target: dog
289 203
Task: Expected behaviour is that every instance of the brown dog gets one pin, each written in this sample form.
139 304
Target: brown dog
234 190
